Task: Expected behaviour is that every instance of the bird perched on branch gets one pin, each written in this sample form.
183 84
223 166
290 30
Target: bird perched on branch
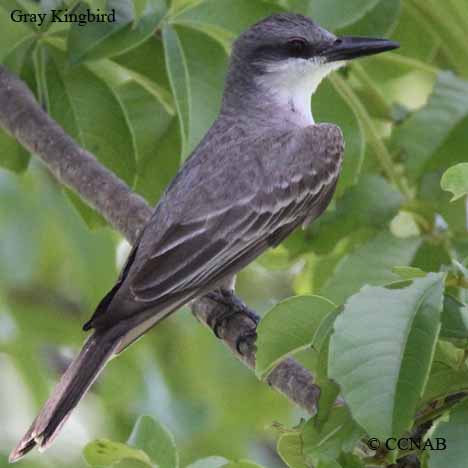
263 169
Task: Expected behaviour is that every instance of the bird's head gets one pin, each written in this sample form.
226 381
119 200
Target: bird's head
288 55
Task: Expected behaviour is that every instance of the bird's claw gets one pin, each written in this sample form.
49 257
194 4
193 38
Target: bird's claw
245 342
234 305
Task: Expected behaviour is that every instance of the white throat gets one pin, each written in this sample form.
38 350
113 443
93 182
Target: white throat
293 82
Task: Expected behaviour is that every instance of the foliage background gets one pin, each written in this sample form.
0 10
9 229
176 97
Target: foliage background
139 94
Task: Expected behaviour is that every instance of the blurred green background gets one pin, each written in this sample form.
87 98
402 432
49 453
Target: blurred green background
139 94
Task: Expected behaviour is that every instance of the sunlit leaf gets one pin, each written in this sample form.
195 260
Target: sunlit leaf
225 19
334 14
408 272
155 441
377 22
455 180
370 263
290 446
210 462
383 373
426 130
242 464
288 327
21 7
103 452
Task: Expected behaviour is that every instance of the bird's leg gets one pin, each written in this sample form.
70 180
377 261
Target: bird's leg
232 306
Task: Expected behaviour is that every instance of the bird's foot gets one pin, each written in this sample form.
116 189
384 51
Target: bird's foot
246 342
234 306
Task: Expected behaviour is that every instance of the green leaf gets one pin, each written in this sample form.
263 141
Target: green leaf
329 389
454 319
425 130
329 106
358 208
290 326
196 66
13 34
349 460
452 433
377 22
438 201
381 352
88 110
334 14
97 40
338 433
104 452
328 463
179 5
156 137
443 24
289 448
16 49
409 30
455 180
408 273
25 6
146 65
139 9
225 19
13 156
156 441
242 464
370 263
444 380
177 70
210 462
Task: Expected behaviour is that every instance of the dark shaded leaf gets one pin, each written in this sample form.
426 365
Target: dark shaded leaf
88 109
156 137
452 436
96 40
196 66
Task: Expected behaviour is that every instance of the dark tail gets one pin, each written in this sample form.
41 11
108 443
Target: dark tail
71 388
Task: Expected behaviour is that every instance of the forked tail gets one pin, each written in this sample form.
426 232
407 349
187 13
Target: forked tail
71 388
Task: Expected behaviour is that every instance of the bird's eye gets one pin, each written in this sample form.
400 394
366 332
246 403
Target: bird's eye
297 46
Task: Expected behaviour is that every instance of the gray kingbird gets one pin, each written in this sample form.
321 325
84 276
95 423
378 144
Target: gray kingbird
263 169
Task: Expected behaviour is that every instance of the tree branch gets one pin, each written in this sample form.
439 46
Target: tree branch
33 128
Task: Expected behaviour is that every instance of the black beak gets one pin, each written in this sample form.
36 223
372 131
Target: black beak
347 48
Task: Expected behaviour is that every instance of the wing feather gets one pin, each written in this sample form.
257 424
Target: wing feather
199 237
226 238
